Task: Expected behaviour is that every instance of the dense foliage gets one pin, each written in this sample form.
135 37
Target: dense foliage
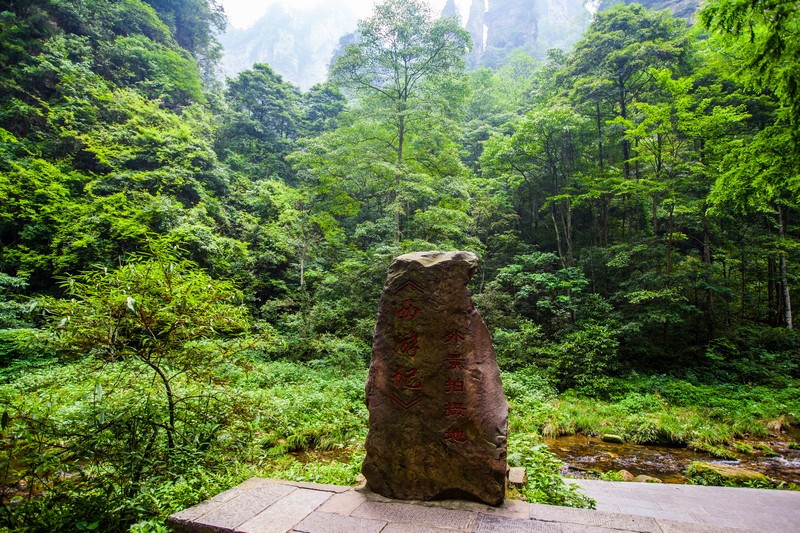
189 272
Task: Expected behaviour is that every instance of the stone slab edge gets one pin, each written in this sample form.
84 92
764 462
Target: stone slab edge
311 486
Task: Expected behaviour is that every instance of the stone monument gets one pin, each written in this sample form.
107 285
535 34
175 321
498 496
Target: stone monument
438 416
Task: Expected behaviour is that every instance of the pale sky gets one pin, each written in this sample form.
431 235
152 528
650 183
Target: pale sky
244 13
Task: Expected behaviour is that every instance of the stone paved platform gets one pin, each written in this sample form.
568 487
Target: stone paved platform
269 505
726 507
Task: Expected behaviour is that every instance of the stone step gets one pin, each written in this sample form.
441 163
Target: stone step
271 505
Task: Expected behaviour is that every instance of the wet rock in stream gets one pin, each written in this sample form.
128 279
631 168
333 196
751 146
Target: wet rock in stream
588 457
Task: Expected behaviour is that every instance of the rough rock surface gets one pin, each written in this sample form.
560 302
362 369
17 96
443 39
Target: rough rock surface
438 416
646 479
720 474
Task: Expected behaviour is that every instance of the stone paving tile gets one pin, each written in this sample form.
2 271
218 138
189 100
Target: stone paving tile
413 528
657 513
646 490
607 508
625 502
457 505
312 486
500 524
187 515
551 513
510 509
769 523
319 522
720 507
721 521
244 506
575 528
671 526
282 515
343 503
403 512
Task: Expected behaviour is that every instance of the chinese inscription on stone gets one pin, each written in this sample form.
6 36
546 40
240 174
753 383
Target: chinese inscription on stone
438 415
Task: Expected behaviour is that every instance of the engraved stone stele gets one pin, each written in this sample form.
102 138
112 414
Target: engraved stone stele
438 416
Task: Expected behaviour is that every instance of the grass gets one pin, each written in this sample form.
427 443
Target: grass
672 412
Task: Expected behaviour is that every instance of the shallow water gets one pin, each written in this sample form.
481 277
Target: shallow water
582 455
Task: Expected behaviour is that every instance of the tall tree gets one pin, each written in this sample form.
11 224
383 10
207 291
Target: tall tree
264 123
768 31
541 161
762 173
403 64
195 25
609 68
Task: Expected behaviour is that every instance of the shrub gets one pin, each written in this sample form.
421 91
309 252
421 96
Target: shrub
545 484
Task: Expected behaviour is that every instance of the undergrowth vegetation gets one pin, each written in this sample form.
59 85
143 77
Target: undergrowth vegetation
671 411
88 458
76 441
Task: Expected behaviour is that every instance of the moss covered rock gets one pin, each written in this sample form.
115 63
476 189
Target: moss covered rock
701 473
646 479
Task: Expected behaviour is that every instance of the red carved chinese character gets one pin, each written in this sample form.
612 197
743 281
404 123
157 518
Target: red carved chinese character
407 309
454 337
455 435
454 385
454 410
406 344
405 377
455 360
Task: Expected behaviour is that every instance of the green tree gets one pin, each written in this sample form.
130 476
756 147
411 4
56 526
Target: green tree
609 68
761 172
321 106
263 125
406 66
195 25
768 36
542 159
159 313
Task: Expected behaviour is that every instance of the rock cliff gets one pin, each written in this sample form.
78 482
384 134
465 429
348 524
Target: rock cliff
499 27
296 45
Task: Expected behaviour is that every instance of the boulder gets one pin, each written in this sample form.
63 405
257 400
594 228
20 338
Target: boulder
626 476
725 475
438 416
614 439
646 479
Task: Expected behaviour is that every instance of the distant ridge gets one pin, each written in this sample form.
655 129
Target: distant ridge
300 45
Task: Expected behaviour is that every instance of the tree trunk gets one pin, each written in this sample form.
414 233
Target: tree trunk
626 146
559 244
772 285
709 311
670 229
599 137
787 300
170 403
401 137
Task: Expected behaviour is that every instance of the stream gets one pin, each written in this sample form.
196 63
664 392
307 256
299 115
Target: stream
584 456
